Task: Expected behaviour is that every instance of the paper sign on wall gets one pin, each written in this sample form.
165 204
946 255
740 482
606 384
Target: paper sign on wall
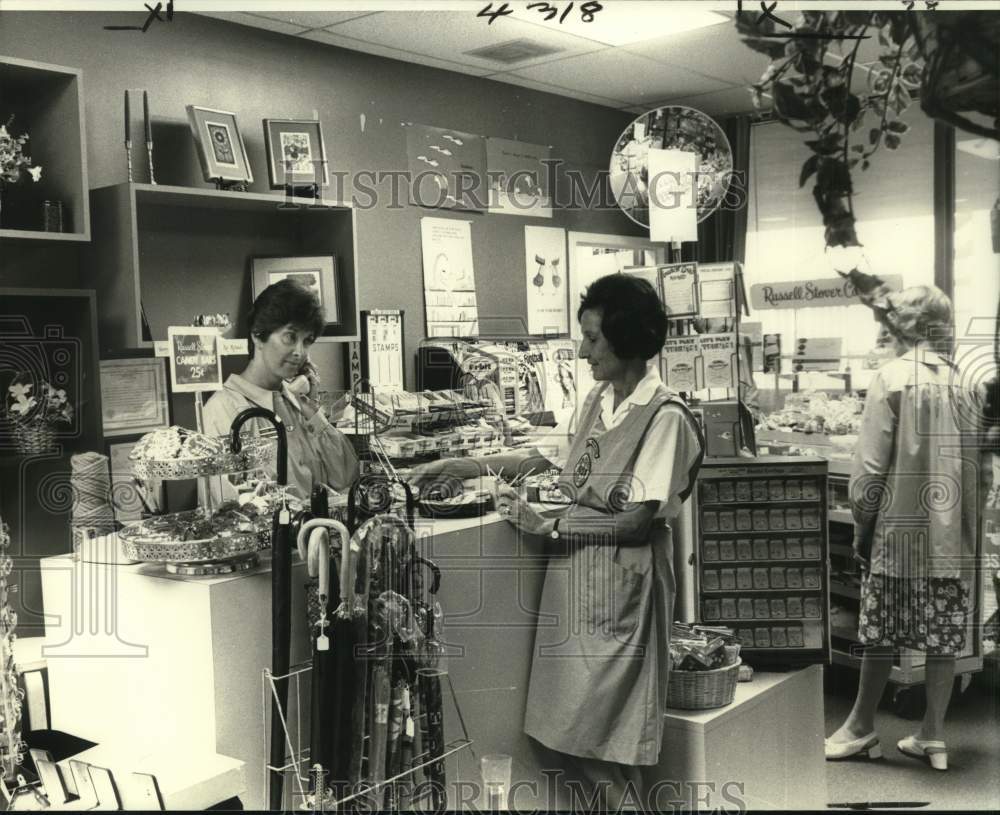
447 168
449 278
545 271
518 178
384 348
195 359
673 209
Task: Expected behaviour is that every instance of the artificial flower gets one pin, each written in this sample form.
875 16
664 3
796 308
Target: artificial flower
20 391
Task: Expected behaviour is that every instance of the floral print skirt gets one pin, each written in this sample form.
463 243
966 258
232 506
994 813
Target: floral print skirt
928 614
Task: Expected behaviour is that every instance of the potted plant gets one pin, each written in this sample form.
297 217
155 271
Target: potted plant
35 412
14 164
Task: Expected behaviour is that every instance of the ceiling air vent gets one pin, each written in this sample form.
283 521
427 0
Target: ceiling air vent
514 51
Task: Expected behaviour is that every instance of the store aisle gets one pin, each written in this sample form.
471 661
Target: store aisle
972 781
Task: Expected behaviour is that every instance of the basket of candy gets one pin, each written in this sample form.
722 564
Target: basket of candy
179 453
704 667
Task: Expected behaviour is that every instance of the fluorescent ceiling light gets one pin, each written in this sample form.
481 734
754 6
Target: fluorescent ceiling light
625 22
983 148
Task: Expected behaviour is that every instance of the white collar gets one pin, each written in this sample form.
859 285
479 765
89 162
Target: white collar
644 391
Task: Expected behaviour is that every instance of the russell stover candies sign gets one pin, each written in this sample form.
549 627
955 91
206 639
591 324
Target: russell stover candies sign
832 291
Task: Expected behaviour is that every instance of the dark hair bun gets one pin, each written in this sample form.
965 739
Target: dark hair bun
632 317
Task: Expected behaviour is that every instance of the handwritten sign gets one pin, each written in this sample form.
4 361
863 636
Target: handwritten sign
819 293
195 359
679 282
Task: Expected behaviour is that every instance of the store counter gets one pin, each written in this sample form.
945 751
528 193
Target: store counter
140 656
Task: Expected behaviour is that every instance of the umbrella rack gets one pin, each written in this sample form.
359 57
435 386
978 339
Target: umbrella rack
297 763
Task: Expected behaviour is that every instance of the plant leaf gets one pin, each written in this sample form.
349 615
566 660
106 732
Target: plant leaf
892 141
858 148
897 126
810 166
873 135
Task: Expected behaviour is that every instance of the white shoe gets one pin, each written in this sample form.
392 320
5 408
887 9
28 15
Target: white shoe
933 751
869 745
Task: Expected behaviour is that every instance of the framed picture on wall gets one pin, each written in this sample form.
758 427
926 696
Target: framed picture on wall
316 273
133 396
296 153
220 146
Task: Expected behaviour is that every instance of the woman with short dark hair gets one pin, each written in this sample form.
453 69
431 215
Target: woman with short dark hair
599 676
284 322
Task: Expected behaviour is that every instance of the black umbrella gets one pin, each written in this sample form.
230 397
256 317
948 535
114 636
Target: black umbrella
281 598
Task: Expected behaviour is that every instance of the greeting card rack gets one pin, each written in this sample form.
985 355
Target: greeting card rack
303 777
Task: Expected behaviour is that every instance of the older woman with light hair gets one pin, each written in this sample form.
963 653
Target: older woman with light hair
913 493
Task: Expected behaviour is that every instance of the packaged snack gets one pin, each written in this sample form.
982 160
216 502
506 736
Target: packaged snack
743 550
710 551
810 548
727 550
793 607
758 491
760 579
710 608
728 608
710 521
726 492
778 608
810 492
793 578
746 637
744 579
727 521
794 636
811 577
743 491
760 520
709 492
761 609
744 520
777 577
777 519
777 549
793 519
793 549
776 490
810 608
710 580
760 549
793 489
727 579
762 637
810 519
744 608
778 638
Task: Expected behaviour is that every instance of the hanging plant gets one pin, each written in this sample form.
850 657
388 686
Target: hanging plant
949 61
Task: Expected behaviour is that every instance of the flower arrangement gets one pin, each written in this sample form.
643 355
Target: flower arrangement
13 161
34 413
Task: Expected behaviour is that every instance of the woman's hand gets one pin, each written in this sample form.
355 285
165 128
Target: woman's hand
862 552
520 513
433 473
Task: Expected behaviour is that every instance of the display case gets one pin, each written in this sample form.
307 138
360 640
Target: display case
47 104
760 560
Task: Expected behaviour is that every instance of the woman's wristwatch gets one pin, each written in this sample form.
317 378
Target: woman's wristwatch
554 534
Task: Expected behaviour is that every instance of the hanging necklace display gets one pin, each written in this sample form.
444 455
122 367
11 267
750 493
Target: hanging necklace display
539 279
556 279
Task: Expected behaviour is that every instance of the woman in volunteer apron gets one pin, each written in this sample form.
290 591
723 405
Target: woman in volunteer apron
599 672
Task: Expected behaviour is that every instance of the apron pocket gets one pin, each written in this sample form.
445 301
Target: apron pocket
610 594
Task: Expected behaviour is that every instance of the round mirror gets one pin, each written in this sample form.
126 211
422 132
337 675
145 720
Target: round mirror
678 128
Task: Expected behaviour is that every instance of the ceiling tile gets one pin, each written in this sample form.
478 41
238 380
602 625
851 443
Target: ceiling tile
312 19
255 21
446 35
617 74
716 51
330 38
514 79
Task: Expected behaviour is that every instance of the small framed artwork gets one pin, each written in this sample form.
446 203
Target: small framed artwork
129 497
133 396
220 146
317 273
296 153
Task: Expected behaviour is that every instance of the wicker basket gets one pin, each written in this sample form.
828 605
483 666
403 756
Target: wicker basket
702 690
35 439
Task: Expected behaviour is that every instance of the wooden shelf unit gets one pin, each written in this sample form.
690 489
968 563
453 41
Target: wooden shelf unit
47 104
178 251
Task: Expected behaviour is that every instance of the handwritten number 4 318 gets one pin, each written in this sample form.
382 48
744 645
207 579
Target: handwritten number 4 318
587 11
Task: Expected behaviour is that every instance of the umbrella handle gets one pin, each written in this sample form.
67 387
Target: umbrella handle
263 413
430 564
346 594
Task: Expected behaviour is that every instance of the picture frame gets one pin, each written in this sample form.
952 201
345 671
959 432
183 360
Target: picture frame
316 272
129 500
296 153
221 150
134 396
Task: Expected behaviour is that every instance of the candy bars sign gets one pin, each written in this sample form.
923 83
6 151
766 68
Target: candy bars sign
831 291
